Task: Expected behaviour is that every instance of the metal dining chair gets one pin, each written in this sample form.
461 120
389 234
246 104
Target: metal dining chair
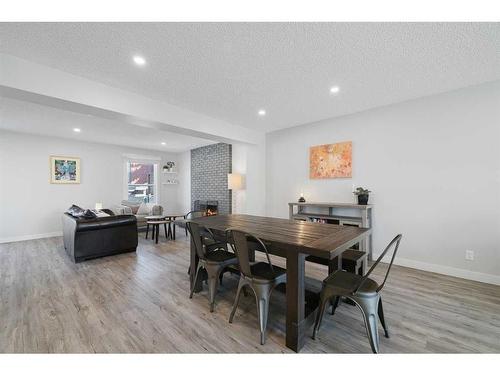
363 291
213 257
260 277
193 215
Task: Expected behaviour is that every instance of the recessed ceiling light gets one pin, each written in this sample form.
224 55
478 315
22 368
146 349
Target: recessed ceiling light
139 60
77 130
163 143
262 112
334 90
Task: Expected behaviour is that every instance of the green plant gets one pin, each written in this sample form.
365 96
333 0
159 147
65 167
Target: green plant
361 191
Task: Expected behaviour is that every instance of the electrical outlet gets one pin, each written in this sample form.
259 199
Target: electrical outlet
469 255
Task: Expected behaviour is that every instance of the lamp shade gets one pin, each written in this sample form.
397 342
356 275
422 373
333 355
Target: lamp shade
234 181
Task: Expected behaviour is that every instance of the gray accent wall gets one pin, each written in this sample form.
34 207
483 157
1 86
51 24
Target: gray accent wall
209 168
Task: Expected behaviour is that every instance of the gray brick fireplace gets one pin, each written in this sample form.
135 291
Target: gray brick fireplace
209 168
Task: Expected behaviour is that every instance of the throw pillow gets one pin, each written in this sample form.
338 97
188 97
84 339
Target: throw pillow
144 209
75 210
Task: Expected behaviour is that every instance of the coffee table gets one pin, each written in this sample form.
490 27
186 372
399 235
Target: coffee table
172 218
156 228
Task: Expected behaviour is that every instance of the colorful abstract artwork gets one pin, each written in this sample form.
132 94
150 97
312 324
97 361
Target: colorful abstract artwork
331 161
64 170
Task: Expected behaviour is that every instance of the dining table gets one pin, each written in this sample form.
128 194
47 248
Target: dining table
293 240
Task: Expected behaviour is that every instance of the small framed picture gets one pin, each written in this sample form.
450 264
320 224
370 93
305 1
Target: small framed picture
64 170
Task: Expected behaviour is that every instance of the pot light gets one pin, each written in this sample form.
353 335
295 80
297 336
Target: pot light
77 130
262 112
139 60
334 90
163 144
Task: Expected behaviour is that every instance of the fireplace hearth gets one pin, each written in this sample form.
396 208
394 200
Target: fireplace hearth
210 207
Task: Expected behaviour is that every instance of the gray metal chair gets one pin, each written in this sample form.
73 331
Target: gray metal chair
260 277
361 290
213 257
189 216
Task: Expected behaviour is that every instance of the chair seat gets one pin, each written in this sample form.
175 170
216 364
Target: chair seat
262 271
220 256
345 283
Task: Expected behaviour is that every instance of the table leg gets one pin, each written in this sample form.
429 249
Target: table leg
165 227
147 230
295 302
157 228
173 230
192 269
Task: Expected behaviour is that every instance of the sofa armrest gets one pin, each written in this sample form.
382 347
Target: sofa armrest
121 210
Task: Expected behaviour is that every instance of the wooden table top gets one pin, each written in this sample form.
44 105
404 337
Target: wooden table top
323 240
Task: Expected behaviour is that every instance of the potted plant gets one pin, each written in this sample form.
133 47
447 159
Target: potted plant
169 166
363 195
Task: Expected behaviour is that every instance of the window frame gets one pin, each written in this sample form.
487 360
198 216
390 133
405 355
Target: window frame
142 160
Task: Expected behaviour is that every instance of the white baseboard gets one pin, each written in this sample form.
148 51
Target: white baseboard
445 270
30 237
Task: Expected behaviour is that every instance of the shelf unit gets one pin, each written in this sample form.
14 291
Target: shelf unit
335 213
174 181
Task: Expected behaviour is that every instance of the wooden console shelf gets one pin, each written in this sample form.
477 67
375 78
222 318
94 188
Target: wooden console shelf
336 213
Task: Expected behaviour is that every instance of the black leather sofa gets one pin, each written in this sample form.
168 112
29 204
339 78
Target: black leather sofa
92 238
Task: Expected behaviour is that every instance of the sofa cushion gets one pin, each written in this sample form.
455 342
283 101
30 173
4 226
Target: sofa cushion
144 209
134 206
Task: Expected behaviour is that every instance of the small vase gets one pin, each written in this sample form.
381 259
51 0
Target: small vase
363 199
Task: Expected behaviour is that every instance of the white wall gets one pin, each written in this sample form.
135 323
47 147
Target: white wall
184 187
30 206
250 161
433 165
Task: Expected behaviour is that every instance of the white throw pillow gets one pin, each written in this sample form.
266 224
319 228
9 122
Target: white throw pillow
144 209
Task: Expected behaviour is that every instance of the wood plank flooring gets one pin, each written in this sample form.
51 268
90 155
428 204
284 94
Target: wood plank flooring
138 303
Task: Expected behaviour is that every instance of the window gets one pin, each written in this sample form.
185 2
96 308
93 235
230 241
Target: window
142 182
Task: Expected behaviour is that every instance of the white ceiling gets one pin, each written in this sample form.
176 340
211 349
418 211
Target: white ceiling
230 70
26 117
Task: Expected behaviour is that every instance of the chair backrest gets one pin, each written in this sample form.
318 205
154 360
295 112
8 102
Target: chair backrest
195 234
239 240
394 244
194 214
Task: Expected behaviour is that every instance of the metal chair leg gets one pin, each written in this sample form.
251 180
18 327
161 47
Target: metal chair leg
369 308
382 318
195 279
241 287
263 311
335 304
324 299
212 281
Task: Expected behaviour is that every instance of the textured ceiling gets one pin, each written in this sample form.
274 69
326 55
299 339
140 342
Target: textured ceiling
230 70
25 117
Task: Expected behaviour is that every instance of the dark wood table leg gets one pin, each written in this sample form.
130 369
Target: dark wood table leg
173 231
165 227
295 302
192 269
157 228
147 230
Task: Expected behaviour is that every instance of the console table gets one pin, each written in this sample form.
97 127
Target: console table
349 214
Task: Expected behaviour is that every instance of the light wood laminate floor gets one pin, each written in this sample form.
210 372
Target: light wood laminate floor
138 302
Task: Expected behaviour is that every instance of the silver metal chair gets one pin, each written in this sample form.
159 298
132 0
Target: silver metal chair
260 277
361 290
213 257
